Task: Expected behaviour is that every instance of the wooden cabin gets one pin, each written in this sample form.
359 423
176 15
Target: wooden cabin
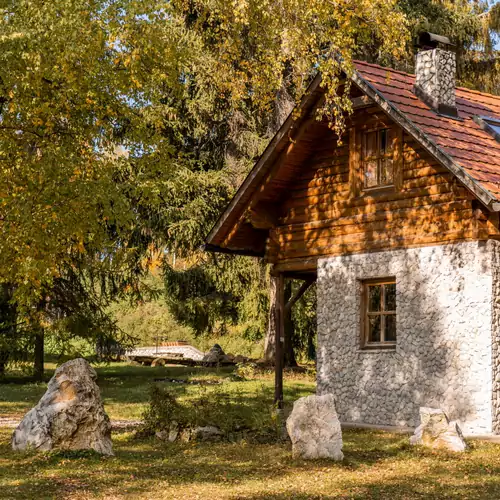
399 226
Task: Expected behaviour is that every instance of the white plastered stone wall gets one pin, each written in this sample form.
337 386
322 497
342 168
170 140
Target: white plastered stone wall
443 356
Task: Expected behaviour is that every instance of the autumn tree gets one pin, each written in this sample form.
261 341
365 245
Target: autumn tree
89 183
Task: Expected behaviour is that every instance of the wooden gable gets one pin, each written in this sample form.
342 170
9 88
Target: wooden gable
327 212
311 202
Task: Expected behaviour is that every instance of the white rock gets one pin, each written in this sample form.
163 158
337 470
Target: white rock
69 416
207 433
214 355
314 428
173 431
436 431
169 434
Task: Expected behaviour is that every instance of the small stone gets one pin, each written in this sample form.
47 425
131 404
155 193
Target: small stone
173 432
169 434
207 433
437 432
314 428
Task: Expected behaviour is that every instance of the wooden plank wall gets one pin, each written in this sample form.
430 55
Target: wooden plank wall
322 217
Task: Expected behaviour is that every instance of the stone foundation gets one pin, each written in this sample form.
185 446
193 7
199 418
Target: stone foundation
443 357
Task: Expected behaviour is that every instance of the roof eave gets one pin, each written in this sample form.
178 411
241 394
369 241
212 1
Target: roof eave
215 248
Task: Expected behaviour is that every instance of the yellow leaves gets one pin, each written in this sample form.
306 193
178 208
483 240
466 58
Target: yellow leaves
80 247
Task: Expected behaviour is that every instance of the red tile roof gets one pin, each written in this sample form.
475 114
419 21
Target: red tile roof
474 149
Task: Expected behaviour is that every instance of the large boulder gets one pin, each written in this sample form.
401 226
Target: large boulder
70 415
436 431
215 355
314 428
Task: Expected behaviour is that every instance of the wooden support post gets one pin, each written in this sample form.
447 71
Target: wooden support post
279 316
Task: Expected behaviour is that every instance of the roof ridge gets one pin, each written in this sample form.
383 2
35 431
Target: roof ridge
412 75
386 68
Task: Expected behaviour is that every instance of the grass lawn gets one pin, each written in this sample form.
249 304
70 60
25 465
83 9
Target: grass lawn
376 465
124 387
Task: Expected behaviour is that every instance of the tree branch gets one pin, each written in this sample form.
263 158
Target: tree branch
301 291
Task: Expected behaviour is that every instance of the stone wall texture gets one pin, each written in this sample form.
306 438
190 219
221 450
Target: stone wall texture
443 356
495 336
435 72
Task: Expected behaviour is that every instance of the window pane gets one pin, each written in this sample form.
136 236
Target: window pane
390 297
374 298
371 174
371 146
383 141
374 328
495 125
386 171
391 137
390 328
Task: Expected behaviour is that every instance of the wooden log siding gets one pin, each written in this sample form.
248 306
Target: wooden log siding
328 213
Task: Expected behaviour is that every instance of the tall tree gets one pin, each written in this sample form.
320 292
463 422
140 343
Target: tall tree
280 50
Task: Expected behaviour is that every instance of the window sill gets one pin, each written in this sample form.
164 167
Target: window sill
374 191
378 348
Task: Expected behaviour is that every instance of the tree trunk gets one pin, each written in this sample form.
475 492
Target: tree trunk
8 318
38 367
270 340
279 311
290 360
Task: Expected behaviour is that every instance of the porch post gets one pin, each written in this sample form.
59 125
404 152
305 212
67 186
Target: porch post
279 316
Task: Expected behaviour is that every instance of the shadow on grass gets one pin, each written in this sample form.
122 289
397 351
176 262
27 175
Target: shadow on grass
377 465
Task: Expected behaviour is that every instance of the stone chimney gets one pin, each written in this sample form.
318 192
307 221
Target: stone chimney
436 70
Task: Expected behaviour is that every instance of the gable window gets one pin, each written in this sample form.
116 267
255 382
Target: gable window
378 152
379 313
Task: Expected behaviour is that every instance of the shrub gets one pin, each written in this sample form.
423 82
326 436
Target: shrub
237 416
246 371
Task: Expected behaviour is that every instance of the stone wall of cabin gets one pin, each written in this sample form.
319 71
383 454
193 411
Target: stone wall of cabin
495 337
443 356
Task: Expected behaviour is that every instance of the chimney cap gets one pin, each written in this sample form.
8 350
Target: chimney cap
427 41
